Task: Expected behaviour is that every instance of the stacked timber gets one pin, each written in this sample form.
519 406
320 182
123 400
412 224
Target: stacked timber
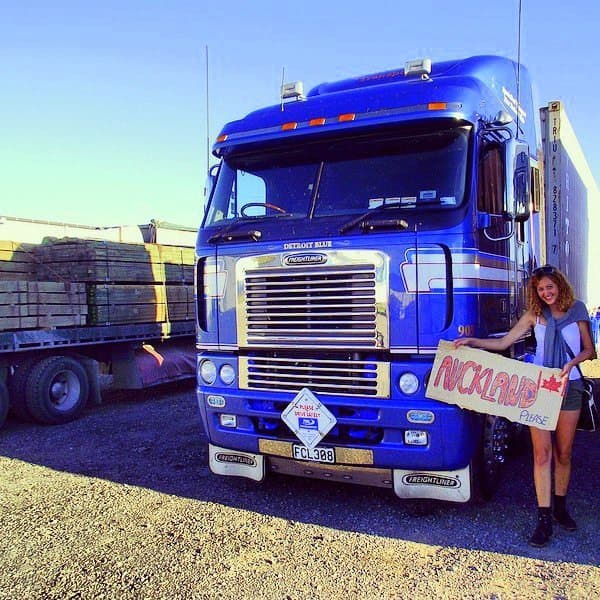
80 282
16 261
118 303
126 283
93 261
42 304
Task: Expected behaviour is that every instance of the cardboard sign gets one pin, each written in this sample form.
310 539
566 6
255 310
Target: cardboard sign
494 385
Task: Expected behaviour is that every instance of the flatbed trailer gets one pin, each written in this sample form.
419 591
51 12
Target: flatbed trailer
76 313
75 337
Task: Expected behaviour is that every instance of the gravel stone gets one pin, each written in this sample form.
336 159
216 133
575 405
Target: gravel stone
122 504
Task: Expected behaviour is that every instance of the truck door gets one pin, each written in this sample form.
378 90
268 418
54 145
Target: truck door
494 240
521 196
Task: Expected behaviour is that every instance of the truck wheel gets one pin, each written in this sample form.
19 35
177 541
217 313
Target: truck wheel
56 390
16 389
519 440
3 402
491 456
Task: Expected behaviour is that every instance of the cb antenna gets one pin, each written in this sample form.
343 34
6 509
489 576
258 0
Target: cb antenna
207 114
519 71
281 88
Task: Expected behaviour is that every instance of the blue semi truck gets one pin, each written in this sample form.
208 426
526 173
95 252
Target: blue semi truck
346 232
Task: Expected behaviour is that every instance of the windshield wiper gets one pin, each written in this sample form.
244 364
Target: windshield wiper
371 225
232 236
350 224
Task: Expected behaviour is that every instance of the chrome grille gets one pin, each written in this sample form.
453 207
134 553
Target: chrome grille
351 377
340 304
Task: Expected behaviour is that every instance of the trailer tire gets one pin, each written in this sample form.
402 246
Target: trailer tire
16 389
57 390
3 402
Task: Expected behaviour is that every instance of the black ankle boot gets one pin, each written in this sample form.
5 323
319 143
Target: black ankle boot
561 516
543 532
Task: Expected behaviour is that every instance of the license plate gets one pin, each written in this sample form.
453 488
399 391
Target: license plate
323 455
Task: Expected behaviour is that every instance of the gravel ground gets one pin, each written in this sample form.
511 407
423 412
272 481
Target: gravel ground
121 504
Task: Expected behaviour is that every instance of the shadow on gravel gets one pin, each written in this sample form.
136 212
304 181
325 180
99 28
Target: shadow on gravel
154 439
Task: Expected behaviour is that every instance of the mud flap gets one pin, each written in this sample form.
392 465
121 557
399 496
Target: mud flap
236 463
453 486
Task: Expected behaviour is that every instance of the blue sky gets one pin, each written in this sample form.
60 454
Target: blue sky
103 104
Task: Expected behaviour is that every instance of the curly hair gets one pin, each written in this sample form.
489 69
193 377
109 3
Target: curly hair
566 295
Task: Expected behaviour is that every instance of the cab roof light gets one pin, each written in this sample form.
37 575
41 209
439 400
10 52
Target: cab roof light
420 66
347 117
437 106
289 126
319 121
222 138
292 91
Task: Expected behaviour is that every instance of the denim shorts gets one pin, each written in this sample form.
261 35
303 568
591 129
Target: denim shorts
572 399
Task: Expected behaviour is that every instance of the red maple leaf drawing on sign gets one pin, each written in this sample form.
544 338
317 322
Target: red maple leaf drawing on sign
552 384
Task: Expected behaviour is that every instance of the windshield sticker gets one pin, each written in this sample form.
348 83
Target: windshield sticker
447 200
428 195
392 201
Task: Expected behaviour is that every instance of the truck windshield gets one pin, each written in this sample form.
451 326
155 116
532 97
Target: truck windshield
417 171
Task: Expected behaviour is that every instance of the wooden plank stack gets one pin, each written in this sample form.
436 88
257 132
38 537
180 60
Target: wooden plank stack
42 304
94 261
16 261
96 282
139 303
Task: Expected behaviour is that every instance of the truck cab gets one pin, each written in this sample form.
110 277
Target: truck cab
346 233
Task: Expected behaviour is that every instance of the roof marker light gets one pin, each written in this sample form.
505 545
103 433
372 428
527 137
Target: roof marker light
320 121
289 126
222 138
437 106
347 117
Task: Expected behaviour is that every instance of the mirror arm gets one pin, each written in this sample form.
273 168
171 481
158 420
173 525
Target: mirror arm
501 238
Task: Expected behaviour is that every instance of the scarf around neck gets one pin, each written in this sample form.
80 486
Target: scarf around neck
555 354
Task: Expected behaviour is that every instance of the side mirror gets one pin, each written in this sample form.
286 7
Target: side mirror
522 186
518 179
211 178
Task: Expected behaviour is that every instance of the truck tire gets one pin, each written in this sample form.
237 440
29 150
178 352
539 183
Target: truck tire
489 461
57 390
3 402
16 389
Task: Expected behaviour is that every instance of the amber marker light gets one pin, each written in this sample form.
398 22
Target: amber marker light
289 126
347 117
437 106
320 121
222 138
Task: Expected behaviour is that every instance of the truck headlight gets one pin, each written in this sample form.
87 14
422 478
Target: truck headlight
207 371
227 374
408 383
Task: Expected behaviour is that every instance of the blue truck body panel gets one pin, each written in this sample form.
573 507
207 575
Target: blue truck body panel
308 284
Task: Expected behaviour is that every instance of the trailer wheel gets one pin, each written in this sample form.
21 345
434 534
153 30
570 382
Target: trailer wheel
491 456
56 390
16 389
3 402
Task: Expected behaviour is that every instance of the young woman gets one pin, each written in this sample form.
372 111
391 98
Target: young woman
556 317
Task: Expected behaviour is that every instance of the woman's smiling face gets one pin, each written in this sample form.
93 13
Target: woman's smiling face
547 290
